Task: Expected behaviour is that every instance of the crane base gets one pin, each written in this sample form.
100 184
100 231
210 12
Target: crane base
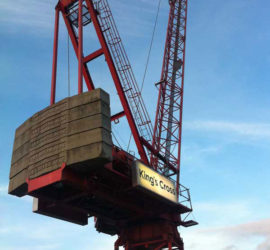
155 234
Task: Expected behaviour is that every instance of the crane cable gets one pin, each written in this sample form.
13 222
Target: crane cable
151 45
115 138
148 59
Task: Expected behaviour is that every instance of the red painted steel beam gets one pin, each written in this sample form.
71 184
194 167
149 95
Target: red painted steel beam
168 123
45 180
117 82
170 245
86 74
158 155
66 3
109 166
181 104
147 243
81 182
93 56
160 246
55 52
80 49
117 116
117 244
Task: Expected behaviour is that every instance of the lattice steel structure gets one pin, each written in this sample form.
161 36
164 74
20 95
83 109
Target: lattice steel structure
141 220
168 123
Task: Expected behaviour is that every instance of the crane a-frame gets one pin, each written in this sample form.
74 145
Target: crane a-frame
141 218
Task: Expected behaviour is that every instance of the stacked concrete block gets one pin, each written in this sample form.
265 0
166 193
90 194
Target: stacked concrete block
75 131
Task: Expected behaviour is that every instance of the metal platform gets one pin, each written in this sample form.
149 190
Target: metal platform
105 193
189 223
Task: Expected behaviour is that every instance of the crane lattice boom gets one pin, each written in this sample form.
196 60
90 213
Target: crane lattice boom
168 123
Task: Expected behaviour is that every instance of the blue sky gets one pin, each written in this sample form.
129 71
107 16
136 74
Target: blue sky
226 130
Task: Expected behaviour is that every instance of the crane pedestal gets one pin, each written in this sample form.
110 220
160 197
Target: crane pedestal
155 234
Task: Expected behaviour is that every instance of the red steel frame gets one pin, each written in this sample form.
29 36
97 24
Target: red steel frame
168 123
174 241
118 63
55 49
80 49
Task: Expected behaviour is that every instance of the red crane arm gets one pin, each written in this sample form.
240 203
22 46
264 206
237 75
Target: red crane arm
168 122
99 14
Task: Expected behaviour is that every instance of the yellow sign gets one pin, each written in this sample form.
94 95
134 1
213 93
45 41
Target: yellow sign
149 179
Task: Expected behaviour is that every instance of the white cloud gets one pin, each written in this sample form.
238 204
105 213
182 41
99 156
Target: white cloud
30 247
236 212
249 236
194 152
221 213
30 13
252 130
34 231
225 225
3 189
39 15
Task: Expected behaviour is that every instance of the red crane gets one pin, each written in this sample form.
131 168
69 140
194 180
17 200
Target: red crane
141 218
168 123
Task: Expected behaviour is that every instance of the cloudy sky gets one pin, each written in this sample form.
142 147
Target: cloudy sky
226 135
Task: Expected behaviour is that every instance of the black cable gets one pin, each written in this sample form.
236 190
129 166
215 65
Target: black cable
148 58
151 45
116 140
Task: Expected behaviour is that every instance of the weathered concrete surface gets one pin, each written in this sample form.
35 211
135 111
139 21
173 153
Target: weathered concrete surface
18 185
75 131
94 155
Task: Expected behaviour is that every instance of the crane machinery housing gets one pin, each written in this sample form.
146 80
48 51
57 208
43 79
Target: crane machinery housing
64 157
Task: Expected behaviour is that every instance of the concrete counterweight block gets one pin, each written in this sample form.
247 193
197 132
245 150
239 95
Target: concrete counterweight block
75 131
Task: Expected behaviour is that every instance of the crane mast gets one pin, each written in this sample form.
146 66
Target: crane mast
168 122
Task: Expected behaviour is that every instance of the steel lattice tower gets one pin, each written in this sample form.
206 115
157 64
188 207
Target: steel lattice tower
168 123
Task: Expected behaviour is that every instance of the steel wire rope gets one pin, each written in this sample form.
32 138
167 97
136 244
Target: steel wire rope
116 140
192 214
119 137
148 59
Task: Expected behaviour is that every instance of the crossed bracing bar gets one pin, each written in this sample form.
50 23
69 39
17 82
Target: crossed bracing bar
168 123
